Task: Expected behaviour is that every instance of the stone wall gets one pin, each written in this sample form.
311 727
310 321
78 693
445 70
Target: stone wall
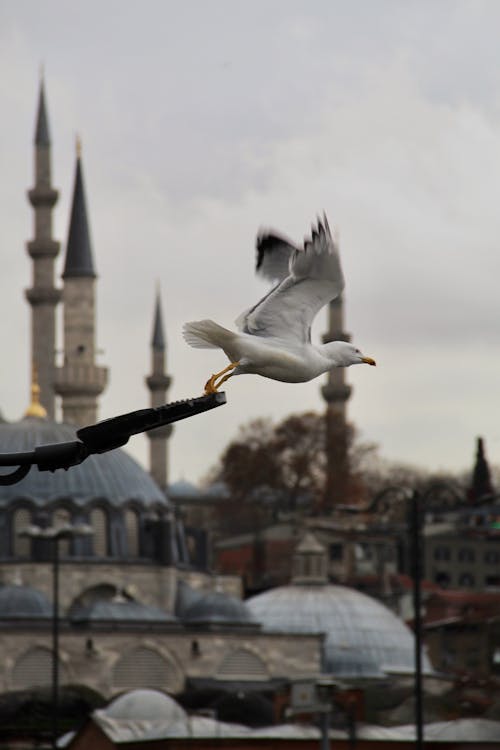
112 660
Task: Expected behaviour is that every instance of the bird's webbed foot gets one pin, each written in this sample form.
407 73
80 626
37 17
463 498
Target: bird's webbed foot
212 386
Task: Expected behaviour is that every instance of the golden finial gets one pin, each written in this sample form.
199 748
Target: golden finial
35 409
78 146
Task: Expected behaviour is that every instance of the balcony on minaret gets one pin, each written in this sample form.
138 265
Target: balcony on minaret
80 378
43 195
336 392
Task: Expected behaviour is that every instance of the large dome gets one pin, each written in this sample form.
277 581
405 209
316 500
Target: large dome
114 476
363 637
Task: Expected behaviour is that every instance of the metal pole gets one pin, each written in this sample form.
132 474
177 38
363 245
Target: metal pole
55 640
416 536
325 726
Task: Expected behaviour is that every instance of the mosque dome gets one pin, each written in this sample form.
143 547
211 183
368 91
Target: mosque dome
218 608
182 489
119 610
145 705
114 476
363 637
17 601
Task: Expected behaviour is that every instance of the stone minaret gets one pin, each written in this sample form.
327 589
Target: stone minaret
43 249
79 381
336 392
158 383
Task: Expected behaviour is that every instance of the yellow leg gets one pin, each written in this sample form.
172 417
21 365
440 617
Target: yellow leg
211 386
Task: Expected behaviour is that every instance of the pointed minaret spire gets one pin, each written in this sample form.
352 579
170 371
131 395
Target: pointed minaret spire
158 383
42 136
43 249
481 486
158 337
336 393
79 260
80 380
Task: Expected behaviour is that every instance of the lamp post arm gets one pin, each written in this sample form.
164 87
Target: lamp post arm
378 501
104 436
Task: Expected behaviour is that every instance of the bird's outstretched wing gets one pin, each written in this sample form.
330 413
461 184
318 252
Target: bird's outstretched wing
273 256
314 279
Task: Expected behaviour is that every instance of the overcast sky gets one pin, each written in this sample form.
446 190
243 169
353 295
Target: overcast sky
201 122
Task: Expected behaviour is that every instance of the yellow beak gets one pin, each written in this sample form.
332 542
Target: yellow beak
369 361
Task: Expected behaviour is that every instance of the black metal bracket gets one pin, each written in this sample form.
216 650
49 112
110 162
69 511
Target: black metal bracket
104 436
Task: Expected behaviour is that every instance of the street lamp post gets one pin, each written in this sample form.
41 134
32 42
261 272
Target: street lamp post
415 502
325 688
54 534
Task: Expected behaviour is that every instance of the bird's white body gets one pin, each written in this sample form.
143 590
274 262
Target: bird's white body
274 340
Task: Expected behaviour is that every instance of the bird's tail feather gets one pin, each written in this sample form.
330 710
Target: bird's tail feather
205 334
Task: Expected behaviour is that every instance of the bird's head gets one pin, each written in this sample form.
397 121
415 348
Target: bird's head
344 354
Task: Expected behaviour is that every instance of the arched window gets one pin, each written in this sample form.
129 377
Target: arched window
21 545
142 667
242 664
99 523
61 517
132 529
34 667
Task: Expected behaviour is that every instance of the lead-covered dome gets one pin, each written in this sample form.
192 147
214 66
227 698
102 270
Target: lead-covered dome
363 637
217 608
119 610
18 601
144 705
114 476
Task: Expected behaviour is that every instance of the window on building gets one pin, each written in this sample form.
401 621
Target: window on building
21 545
442 579
132 528
61 517
492 581
467 580
34 668
466 554
141 667
336 551
491 556
242 664
495 659
99 523
442 553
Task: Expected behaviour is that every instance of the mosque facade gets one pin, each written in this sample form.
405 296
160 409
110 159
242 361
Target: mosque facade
134 610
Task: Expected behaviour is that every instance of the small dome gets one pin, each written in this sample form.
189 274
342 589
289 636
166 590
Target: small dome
120 610
114 476
145 705
218 608
185 597
23 601
363 637
183 489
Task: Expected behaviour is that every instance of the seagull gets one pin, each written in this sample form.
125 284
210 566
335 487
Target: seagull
274 336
